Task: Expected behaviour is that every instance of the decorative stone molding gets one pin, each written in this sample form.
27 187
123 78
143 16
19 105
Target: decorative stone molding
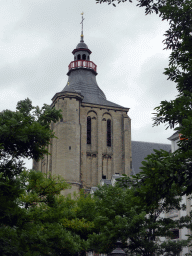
107 156
92 154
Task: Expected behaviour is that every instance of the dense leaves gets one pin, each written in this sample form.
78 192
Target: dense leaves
48 223
54 224
26 132
35 219
141 229
164 176
23 133
162 171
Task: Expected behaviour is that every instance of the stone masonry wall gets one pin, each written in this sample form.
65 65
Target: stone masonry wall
97 159
81 164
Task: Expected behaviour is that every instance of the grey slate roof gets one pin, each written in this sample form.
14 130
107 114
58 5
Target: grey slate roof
140 150
82 45
68 89
174 136
84 81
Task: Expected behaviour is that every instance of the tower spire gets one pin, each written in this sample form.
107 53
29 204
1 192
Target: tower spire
82 28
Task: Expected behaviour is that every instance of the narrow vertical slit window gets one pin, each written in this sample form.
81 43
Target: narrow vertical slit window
88 130
108 133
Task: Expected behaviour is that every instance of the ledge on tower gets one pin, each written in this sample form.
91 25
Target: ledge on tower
85 64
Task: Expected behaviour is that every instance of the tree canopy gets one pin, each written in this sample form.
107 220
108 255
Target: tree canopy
162 171
141 229
23 133
34 218
165 176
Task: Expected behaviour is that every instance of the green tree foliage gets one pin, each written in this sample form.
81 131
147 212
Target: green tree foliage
120 216
23 133
34 218
166 176
162 171
49 223
54 223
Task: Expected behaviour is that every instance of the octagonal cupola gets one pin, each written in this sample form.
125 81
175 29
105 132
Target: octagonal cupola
82 51
82 77
82 56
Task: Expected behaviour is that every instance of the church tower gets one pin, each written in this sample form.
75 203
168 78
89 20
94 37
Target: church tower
94 134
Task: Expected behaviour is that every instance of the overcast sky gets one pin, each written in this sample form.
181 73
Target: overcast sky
38 36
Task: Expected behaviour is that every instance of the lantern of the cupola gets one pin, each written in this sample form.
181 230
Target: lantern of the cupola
82 56
82 51
82 59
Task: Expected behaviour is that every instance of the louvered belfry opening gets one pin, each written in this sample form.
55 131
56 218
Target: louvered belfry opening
108 133
88 130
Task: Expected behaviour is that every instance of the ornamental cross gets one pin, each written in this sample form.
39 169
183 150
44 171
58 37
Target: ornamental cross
82 22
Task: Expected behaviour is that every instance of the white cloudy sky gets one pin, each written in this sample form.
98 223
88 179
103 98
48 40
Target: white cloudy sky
38 36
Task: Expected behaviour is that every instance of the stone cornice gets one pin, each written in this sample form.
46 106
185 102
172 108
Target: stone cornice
62 95
83 104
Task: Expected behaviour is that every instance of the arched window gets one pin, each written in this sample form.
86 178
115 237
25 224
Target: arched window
88 130
88 57
84 57
108 133
78 56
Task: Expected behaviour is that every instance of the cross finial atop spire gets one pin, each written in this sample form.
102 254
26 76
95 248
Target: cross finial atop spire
82 27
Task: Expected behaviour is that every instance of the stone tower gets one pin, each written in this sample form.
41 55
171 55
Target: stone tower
94 134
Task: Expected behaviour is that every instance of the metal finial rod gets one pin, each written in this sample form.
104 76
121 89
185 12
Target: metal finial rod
82 24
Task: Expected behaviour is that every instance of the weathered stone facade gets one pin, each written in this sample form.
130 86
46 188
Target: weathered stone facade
83 163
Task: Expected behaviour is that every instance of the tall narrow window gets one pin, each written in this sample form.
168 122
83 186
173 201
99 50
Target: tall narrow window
78 56
84 57
88 130
108 133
